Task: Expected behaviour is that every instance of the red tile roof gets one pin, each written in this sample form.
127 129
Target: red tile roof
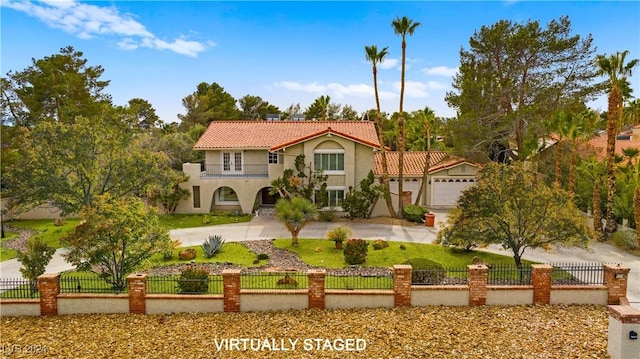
598 145
275 135
414 162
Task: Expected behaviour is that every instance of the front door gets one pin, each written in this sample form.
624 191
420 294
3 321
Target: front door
232 163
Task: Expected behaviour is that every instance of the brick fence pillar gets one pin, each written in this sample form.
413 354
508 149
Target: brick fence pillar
49 287
316 288
623 321
231 284
541 281
477 281
615 278
137 284
402 285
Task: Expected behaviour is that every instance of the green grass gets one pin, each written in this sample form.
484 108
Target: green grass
232 252
49 232
175 221
330 257
6 253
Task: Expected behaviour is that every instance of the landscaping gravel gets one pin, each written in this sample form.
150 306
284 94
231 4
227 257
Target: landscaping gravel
420 332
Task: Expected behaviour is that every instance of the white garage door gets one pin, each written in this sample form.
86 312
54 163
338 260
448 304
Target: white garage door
447 190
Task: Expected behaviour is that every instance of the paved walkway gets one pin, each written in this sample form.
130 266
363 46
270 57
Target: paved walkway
269 227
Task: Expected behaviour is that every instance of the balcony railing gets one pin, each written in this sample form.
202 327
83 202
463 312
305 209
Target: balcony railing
218 170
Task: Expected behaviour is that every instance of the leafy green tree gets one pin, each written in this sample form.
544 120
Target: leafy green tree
360 203
35 260
144 113
375 57
291 110
617 71
295 213
303 182
319 109
208 103
509 207
512 76
255 108
67 165
348 113
115 237
56 88
402 27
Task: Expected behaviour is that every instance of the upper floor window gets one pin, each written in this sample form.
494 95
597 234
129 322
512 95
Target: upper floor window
329 160
275 157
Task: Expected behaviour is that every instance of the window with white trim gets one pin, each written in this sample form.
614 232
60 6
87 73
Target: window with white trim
275 158
328 160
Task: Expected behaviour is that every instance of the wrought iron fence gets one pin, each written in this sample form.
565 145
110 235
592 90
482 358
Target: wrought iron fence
18 288
274 280
440 276
508 274
353 282
577 274
173 284
79 282
244 170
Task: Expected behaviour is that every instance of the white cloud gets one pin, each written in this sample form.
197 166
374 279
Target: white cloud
389 63
440 71
413 89
88 21
313 87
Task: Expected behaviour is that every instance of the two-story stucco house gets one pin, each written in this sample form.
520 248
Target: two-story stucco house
243 157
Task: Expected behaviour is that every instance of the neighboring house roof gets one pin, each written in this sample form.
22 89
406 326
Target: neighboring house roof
598 145
414 163
275 135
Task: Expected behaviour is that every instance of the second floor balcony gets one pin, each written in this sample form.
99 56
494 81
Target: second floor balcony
240 170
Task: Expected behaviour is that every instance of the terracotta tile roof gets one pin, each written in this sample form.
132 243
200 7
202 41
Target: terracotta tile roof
414 162
598 145
279 134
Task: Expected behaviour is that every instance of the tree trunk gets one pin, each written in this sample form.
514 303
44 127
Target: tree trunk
558 169
572 170
597 218
425 172
636 212
294 238
385 167
401 138
612 125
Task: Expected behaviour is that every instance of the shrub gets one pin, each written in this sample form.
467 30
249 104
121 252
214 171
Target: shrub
193 280
426 271
187 254
288 281
167 254
355 251
625 240
327 215
339 235
59 222
403 247
212 245
414 213
263 257
206 219
380 244
35 260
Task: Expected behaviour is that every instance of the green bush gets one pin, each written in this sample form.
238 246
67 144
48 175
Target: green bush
625 239
414 213
327 215
193 280
263 257
355 251
380 244
426 271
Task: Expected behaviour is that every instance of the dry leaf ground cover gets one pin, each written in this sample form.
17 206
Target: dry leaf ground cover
420 332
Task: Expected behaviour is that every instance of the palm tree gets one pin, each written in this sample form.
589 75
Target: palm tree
617 70
630 154
295 213
403 27
632 112
595 171
374 56
586 128
324 104
430 121
635 177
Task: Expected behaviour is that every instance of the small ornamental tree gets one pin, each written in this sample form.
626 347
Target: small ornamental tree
35 260
295 213
509 207
355 251
115 237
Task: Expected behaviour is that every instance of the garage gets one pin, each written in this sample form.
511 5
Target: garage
447 190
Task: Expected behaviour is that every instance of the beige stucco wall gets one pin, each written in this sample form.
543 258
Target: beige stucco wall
508 295
166 304
358 161
90 304
619 345
457 295
339 299
20 308
281 300
40 212
572 295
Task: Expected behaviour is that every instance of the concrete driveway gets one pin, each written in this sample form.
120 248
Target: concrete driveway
269 227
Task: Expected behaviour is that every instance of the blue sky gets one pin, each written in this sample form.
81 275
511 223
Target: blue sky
285 52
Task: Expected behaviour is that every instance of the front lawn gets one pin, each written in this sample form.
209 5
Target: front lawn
6 253
176 221
321 252
232 252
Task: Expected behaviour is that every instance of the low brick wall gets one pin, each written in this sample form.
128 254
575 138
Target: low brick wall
316 296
